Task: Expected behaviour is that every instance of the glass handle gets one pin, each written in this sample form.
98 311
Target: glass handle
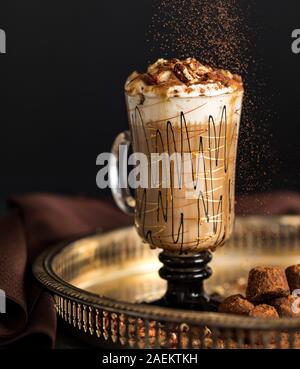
118 179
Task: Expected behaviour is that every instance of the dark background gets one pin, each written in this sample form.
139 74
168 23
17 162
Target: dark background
62 92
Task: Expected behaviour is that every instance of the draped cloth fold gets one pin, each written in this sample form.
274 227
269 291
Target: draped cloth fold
32 223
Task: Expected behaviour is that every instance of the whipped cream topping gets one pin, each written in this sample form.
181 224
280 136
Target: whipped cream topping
182 78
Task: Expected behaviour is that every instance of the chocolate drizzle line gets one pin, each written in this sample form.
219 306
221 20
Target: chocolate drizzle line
206 200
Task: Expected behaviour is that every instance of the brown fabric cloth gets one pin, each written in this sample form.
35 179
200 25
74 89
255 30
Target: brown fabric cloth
39 220
33 223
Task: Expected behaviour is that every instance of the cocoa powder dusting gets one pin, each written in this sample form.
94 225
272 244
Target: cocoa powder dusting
218 33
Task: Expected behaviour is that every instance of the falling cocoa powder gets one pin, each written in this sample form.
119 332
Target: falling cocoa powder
218 34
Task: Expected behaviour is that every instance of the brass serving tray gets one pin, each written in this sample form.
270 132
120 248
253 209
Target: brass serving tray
103 285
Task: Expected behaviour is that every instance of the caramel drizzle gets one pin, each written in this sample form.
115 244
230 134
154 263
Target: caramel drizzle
162 207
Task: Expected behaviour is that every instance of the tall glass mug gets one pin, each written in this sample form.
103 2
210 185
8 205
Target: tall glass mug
190 208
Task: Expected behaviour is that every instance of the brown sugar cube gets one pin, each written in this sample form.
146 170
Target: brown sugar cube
284 305
236 304
264 311
293 277
266 283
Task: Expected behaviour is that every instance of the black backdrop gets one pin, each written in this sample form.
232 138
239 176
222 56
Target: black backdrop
62 91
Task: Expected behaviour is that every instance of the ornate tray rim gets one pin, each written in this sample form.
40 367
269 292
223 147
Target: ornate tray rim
43 271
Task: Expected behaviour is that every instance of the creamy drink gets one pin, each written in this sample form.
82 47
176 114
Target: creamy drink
183 107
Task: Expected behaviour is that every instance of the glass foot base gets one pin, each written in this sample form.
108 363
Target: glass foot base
202 304
185 276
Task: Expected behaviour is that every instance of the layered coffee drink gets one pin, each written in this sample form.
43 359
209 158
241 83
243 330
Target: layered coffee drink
191 113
